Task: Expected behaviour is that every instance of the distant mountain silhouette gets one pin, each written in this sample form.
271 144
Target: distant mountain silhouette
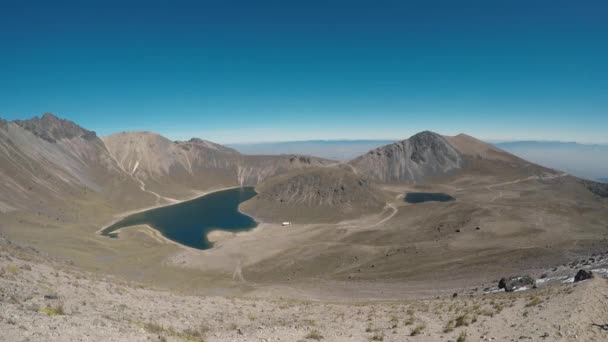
341 150
582 160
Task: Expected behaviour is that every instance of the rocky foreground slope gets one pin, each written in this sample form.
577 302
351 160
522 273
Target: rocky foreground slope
46 300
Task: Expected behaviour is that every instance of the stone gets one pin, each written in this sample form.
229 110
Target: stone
513 283
583 275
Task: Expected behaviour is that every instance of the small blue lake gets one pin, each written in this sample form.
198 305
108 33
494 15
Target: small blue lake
420 197
189 222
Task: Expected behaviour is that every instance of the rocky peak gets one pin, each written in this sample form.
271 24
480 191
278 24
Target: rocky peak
51 128
423 155
205 144
428 142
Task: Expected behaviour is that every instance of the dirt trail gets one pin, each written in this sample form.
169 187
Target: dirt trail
142 186
538 177
500 193
384 220
238 271
141 183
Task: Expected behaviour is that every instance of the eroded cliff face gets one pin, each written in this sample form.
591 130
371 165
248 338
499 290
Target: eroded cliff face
152 156
315 195
255 169
423 155
175 167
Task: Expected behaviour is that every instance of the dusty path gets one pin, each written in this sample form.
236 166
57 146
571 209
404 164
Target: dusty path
495 196
141 183
339 164
159 197
500 193
395 210
557 175
238 271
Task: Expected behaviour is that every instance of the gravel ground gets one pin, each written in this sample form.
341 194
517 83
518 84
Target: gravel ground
46 300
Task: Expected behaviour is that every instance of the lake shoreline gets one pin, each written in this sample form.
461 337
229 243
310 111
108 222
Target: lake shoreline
121 216
191 222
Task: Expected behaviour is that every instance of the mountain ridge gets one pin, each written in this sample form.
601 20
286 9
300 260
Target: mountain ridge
52 128
178 169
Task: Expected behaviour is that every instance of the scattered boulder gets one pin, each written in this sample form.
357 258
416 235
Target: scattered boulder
601 326
513 283
583 275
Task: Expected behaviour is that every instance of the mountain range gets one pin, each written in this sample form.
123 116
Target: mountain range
60 184
53 159
582 160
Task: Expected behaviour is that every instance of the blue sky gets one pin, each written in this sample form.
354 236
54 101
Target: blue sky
233 71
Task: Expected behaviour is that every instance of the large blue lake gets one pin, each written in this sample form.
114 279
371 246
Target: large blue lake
189 222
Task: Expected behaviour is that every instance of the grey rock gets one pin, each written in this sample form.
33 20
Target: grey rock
51 128
513 283
583 275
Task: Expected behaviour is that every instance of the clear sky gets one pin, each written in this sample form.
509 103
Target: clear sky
235 71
